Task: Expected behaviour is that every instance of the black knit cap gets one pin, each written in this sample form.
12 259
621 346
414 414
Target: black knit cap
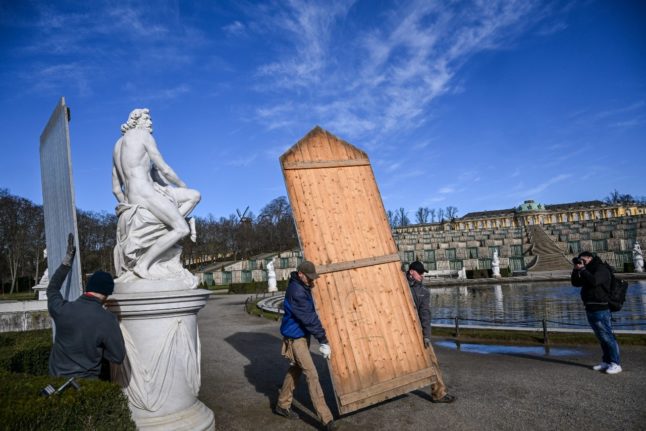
100 282
585 254
417 266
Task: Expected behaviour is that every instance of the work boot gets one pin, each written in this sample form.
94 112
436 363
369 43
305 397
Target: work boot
287 413
445 399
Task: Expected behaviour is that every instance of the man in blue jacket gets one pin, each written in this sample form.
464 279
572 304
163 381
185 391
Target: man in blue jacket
299 323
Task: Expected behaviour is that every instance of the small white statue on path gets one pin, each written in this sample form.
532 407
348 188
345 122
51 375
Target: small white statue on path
271 277
41 287
153 205
638 257
495 264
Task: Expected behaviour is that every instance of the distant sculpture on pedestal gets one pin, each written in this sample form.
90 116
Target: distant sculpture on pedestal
41 287
495 264
153 205
271 277
638 257
462 274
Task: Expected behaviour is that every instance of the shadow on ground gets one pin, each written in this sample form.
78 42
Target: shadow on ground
267 368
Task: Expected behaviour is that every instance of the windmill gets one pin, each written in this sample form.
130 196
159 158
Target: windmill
242 217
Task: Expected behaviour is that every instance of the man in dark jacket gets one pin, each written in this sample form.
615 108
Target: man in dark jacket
594 279
85 332
299 323
422 300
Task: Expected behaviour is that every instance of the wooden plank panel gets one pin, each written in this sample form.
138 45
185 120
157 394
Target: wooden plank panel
362 296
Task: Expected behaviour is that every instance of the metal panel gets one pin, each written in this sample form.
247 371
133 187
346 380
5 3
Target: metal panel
58 197
362 296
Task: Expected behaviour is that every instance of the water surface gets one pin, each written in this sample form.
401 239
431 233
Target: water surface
526 304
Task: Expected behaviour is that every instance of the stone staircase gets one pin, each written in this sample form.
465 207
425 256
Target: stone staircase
550 256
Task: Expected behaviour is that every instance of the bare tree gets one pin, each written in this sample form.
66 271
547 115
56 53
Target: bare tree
432 214
451 213
619 198
402 217
391 219
421 215
440 215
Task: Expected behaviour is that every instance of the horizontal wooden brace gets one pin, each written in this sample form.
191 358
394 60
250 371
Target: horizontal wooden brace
386 386
359 263
326 164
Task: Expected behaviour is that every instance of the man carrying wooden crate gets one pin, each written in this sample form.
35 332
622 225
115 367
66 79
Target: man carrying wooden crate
422 299
299 323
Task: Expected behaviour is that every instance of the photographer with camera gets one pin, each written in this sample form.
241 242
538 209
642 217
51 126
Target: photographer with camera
85 331
594 278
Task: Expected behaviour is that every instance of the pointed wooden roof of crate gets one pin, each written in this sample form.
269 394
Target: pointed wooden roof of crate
311 144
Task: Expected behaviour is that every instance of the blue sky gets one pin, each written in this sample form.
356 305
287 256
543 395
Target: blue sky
478 105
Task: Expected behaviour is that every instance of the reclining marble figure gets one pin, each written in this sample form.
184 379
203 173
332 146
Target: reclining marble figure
153 203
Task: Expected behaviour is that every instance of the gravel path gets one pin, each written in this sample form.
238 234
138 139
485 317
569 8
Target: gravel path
242 370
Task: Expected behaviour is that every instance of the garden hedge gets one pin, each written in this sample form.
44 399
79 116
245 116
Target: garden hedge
98 405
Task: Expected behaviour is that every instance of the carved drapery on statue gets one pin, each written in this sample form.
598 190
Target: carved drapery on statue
137 231
147 385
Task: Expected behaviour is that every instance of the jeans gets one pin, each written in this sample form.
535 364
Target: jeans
600 323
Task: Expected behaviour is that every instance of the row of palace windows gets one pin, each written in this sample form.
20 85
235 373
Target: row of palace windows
450 253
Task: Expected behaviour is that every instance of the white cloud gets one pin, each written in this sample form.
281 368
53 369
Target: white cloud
236 28
366 86
543 186
446 190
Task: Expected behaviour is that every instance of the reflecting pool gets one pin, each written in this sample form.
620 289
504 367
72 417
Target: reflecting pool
526 304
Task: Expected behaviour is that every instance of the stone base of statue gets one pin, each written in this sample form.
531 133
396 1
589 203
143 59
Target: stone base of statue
161 374
495 271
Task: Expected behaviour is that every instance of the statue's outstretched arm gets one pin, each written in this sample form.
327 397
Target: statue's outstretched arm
161 165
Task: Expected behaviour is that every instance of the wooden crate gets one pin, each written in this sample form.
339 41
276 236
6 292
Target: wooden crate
362 296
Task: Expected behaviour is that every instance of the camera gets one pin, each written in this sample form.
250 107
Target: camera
577 261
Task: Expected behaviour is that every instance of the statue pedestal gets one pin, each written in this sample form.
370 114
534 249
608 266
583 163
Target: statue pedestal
161 373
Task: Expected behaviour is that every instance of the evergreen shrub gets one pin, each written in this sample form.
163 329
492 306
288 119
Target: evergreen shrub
477 273
24 356
256 286
629 267
98 405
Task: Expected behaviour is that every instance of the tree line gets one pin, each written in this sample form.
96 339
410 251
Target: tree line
238 236
423 215
22 238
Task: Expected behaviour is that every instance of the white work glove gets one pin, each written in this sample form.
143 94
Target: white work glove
68 259
325 350
427 342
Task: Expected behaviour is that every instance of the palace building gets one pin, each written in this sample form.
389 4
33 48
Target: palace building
532 237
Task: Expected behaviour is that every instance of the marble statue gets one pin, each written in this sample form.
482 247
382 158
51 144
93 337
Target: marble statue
153 203
638 257
271 277
155 297
41 287
495 264
462 274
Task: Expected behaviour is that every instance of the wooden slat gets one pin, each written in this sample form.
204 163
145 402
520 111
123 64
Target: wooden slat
326 164
387 385
383 396
359 263
364 302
